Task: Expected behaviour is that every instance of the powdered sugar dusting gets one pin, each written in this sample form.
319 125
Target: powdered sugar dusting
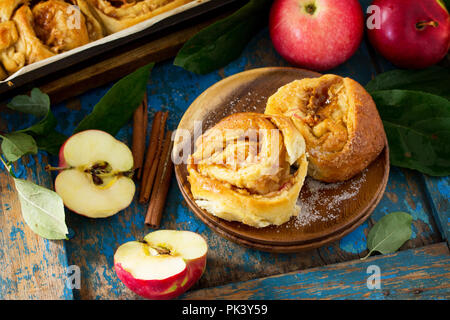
245 102
313 199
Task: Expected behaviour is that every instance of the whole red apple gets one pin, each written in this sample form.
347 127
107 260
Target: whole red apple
316 34
411 33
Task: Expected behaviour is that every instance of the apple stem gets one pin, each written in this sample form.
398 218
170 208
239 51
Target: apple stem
50 168
421 25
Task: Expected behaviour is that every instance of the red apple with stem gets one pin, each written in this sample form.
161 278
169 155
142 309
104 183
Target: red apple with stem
316 34
412 33
162 266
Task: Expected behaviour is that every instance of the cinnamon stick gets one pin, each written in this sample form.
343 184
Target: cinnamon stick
145 105
153 155
162 183
140 121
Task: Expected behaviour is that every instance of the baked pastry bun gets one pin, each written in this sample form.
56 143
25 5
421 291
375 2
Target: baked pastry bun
339 121
241 169
116 15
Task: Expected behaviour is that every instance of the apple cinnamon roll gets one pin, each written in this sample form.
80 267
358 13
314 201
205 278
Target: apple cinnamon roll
241 169
116 15
339 121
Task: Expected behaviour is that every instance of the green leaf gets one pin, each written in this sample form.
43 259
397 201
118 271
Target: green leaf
37 103
51 142
417 126
42 210
17 144
389 233
223 41
116 107
433 80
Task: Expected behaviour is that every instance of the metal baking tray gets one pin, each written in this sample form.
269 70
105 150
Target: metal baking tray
151 27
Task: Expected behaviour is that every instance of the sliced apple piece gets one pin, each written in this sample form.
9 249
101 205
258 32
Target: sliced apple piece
95 178
164 265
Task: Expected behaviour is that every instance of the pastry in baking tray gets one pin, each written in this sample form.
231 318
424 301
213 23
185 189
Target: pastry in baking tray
49 27
116 15
241 169
10 60
31 31
339 121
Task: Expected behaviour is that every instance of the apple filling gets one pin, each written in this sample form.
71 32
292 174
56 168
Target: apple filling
241 169
251 160
324 113
319 109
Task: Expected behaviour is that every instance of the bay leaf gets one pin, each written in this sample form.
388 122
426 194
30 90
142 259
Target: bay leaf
117 106
17 144
42 210
223 41
417 126
434 80
389 233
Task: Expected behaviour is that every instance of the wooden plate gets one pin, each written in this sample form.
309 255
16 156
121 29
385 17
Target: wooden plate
329 211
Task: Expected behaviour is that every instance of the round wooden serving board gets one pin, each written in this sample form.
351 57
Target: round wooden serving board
329 211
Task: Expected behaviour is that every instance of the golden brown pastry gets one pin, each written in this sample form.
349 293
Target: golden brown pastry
241 169
339 121
7 8
116 15
94 27
10 60
34 34
51 27
31 31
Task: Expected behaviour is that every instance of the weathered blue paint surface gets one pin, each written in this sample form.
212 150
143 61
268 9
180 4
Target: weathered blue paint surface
94 242
385 277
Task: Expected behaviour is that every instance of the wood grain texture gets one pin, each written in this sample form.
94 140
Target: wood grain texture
422 273
32 267
95 241
438 192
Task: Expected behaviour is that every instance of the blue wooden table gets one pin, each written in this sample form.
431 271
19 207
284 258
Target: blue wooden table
33 267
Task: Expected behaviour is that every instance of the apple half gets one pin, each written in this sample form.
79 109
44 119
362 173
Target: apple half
162 266
95 174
